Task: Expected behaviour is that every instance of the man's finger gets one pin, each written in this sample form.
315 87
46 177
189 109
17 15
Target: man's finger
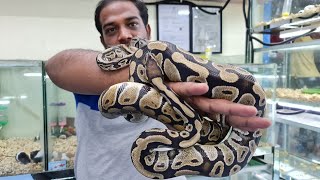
187 89
248 129
248 122
223 107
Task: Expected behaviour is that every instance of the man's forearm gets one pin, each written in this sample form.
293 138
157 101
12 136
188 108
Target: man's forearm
76 70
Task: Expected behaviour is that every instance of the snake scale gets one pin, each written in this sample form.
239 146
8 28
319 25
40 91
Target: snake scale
198 143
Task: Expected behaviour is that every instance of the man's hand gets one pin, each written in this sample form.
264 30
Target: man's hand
238 115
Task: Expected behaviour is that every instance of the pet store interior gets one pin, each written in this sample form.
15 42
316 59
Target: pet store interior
274 44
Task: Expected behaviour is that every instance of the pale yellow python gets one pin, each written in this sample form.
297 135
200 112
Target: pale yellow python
201 144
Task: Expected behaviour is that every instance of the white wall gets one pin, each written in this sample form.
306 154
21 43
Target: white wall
39 38
234 31
37 29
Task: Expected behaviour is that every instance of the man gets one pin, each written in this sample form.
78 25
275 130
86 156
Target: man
303 65
104 145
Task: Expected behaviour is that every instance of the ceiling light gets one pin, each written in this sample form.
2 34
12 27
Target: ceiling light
4 102
32 74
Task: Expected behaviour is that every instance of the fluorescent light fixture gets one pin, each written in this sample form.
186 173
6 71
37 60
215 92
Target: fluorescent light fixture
297 31
14 97
306 21
285 34
23 97
304 47
315 161
259 76
8 97
35 75
4 102
32 74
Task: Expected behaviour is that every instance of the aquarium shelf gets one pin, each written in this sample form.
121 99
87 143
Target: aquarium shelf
293 167
302 120
264 150
289 22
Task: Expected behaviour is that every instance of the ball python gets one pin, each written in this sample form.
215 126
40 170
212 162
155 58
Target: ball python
198 143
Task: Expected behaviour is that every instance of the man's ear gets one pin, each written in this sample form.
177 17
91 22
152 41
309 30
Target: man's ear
102 42
148 29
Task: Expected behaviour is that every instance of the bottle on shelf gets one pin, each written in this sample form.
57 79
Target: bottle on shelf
286 10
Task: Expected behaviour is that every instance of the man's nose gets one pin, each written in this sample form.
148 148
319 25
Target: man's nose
125 36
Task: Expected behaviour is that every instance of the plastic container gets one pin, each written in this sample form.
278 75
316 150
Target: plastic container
208 53
3 115
286 10
61 119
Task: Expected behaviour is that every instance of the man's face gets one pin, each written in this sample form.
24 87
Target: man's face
121 22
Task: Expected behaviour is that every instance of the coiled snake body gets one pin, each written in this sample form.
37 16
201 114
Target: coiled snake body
199 144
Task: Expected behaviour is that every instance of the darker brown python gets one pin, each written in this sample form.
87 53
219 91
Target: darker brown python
201 144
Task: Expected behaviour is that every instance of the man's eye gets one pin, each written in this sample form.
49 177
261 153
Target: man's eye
110 30
133 24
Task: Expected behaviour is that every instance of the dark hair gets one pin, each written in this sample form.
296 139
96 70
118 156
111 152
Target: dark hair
103 3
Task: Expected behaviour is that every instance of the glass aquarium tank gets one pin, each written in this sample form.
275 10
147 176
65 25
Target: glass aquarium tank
21 117
62 141
269 14
266 75
298 109
290 32
37 130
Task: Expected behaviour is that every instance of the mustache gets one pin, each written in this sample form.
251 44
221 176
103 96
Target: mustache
126 43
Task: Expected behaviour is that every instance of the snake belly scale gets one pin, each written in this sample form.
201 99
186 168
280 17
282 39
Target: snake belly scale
199 144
